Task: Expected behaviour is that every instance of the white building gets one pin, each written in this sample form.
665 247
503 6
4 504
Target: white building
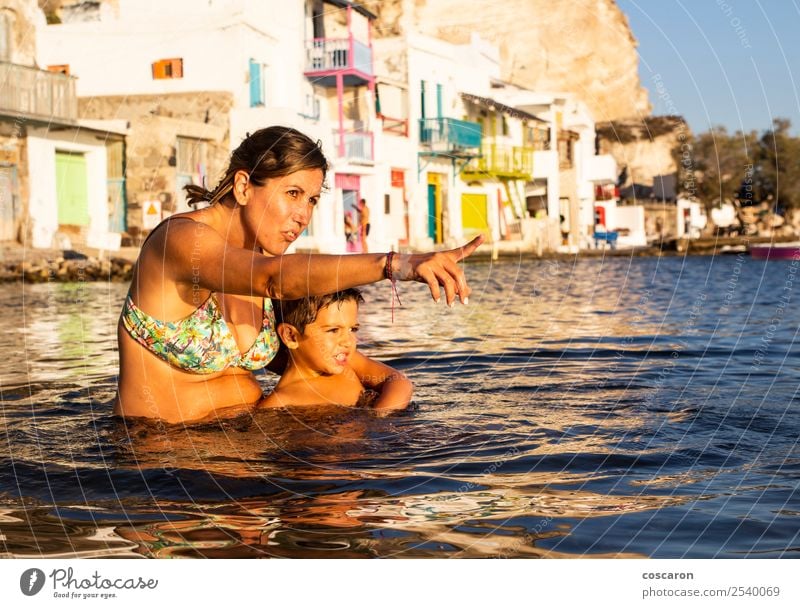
438 94
302 64
570 178
57 172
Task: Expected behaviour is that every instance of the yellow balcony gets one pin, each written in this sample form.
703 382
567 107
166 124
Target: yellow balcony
501 162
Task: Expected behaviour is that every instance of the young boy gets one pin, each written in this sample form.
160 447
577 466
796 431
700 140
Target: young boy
324 366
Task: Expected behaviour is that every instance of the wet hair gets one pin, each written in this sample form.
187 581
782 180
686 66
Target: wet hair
304 311
266 154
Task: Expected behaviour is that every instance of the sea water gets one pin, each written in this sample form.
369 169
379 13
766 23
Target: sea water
576 407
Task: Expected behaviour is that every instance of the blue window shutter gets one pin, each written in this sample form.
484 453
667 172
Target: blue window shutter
438 101
256 87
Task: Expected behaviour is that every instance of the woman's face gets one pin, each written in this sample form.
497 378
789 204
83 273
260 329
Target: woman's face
278 212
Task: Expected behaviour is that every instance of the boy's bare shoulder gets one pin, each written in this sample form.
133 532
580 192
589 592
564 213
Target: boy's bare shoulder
282 397
343 389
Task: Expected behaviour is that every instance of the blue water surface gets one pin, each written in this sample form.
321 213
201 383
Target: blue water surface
642 407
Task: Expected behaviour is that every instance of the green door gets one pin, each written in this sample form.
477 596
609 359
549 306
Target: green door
72 189
474 214
432 212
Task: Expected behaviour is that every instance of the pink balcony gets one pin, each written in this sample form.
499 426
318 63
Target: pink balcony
355 146
327 57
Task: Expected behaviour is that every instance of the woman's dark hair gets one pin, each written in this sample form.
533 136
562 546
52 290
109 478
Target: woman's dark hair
266 154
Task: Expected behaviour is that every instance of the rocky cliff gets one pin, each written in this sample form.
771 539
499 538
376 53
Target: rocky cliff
579 46
647 146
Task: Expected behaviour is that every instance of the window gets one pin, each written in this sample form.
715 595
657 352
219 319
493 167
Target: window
387 204
311 108
6 34
537 137
59 69
167 68
257 84
566 141
391 106
190 162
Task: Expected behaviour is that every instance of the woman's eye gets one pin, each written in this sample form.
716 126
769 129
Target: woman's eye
313 201
293 193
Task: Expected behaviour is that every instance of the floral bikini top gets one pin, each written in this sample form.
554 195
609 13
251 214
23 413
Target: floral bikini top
201 343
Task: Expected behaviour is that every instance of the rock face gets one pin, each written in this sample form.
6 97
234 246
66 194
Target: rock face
648 147
583 47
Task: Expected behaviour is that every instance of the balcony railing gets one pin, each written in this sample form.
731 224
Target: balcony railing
332 54
30 92
398 126
514 162
355 146
450 134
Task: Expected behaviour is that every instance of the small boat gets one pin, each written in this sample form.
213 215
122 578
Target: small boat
776 251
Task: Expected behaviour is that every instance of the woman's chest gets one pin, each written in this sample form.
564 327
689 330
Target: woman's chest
243 317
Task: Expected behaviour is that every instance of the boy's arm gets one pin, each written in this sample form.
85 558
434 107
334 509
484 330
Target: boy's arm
394 388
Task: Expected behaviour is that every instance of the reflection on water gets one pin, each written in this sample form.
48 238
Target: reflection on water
593 408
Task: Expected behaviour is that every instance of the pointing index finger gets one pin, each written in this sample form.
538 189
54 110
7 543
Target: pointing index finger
468 249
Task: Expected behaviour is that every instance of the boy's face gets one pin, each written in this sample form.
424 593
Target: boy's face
327 344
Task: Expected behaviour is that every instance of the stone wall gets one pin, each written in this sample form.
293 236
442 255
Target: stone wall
646 146
156 121
24 16
584 47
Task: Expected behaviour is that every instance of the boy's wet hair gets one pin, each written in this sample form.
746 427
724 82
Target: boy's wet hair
304 311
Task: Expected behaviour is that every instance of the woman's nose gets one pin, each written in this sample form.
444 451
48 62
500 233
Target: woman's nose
303 213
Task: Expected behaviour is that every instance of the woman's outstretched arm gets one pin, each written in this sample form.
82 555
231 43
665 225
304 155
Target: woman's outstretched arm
194 253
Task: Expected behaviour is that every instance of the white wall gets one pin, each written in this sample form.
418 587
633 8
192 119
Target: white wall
459 69
216 39
43 201
632 218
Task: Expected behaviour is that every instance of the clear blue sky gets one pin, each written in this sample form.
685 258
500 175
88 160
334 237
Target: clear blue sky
734 63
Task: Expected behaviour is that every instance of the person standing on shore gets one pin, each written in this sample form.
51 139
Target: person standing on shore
198 319
363 222
351 233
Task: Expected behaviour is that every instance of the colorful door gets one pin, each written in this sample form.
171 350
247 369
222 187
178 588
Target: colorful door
72 189
352 234
434 207
474 214
350 185
9 202
117 205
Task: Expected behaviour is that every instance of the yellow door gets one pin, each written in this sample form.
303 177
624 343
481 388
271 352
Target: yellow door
474 214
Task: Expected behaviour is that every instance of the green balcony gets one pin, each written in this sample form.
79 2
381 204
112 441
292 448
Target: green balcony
501 162
450 136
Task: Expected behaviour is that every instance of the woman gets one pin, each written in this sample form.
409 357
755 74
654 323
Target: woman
198 319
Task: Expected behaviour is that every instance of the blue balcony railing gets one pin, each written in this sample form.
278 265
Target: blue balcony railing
450 134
